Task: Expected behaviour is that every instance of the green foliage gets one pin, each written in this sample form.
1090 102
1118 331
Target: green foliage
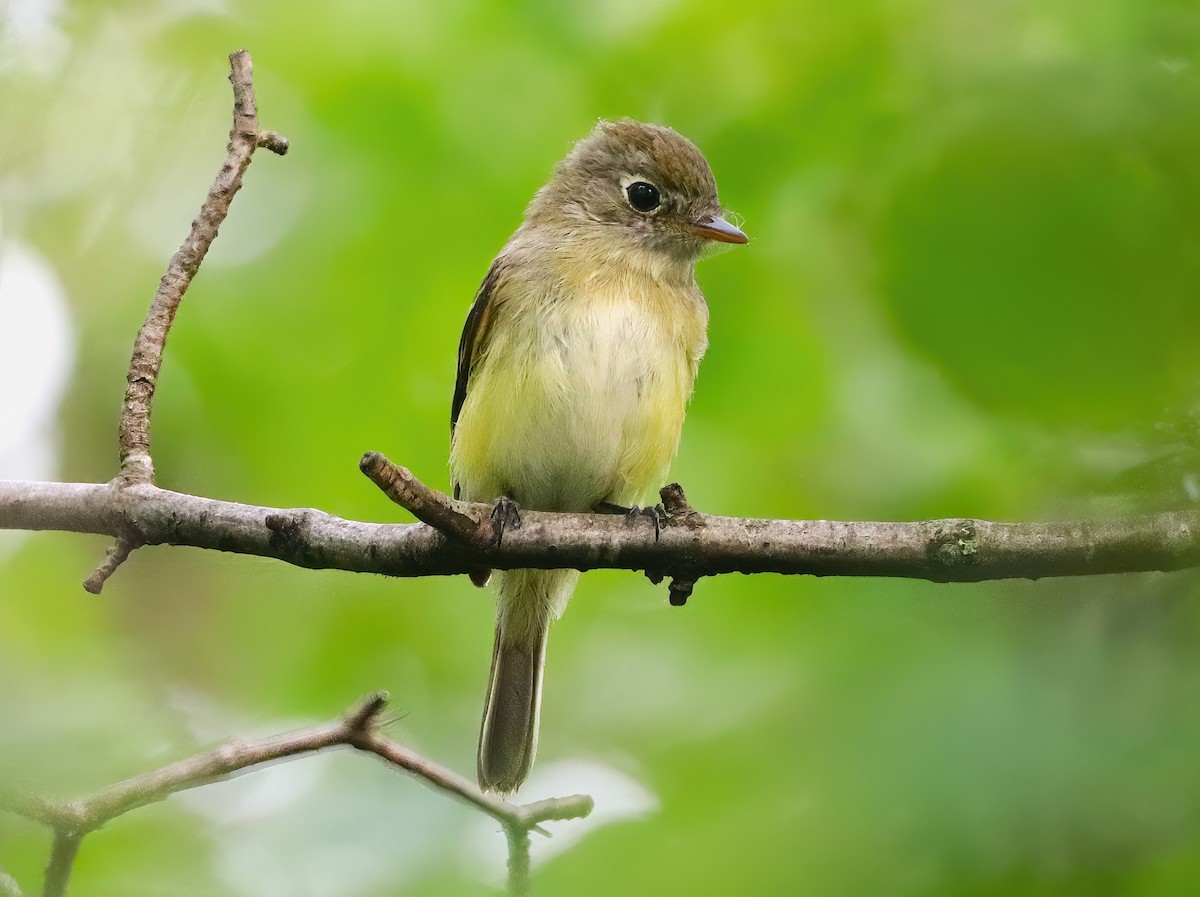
971 290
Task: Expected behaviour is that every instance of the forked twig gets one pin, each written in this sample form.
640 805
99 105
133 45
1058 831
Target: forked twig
358 728
137 465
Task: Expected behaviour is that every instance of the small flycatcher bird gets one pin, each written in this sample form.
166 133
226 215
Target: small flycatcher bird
575 366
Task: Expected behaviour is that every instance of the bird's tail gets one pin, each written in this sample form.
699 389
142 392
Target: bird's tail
527 600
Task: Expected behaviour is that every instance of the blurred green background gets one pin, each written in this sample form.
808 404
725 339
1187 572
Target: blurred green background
971 290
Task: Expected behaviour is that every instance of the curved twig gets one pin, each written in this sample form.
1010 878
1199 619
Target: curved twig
137 465
146 361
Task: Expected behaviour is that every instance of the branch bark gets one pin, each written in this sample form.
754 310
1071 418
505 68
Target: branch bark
62 862
72 820
690 546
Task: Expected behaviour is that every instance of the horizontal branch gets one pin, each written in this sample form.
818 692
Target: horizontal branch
82 815
357 729
690 545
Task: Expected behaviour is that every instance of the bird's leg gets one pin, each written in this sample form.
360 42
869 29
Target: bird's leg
657 514
506 514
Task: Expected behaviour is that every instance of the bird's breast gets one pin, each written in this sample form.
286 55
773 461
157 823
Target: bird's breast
580 399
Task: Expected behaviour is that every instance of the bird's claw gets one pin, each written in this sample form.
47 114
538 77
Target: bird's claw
506 514
657 513
658 516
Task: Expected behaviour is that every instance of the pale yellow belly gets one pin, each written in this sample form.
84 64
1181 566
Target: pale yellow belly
575 407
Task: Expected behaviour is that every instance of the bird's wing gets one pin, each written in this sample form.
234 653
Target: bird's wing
474 338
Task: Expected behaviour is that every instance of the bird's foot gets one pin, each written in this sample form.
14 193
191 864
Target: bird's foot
506 514
657 514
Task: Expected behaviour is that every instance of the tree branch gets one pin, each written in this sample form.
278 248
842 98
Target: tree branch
695 545
457 519
145 363
518 860
62 861
72 820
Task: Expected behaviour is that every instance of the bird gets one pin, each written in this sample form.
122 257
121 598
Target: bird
575 367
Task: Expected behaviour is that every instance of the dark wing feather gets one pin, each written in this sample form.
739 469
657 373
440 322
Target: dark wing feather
474 336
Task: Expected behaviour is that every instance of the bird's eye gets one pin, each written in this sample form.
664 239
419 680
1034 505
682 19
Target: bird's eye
642 196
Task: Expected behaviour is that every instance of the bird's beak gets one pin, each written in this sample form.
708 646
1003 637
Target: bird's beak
714 227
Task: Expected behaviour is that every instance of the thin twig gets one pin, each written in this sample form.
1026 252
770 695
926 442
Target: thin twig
146 361
449 782
276 143
85 814
114 558
358 728
62 861
518 859
457 519
137 465
50 813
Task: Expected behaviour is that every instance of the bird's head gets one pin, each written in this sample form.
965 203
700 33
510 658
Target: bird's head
636 187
